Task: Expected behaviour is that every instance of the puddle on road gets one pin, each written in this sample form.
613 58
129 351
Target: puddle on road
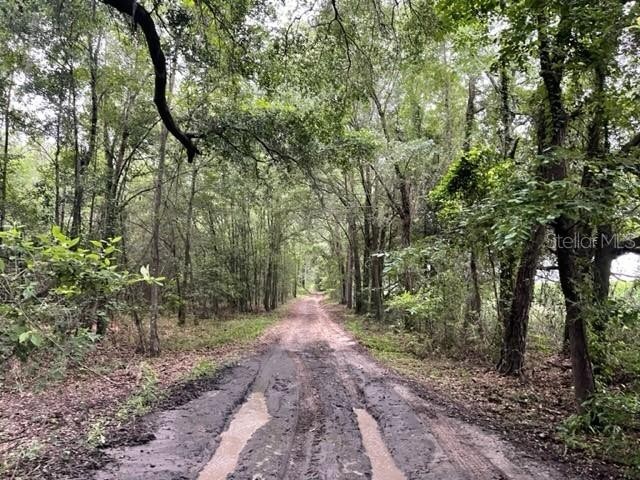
382 465
252 415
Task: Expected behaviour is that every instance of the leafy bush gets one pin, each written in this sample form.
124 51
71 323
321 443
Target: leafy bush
610 424
55 292
434 311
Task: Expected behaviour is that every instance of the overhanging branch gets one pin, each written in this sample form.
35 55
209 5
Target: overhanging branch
143 18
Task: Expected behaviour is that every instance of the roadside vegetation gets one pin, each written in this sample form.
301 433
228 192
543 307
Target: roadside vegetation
539 403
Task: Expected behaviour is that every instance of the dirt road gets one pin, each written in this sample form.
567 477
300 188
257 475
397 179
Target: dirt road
315 407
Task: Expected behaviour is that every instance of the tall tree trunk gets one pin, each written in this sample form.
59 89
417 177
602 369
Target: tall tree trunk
154 339
349 278
357 271
84 159
367 230
574 270
4 172
514 342
186 266
405 213
267 286
377 267
572 264
76 209
505 293
604 251
473 305
57 217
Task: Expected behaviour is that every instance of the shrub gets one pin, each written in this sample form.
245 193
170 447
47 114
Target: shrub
55 293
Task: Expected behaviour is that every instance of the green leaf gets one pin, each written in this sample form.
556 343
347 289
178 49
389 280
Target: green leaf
36 339
58 235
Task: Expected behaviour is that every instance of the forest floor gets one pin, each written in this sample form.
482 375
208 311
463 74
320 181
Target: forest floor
56 417
300 398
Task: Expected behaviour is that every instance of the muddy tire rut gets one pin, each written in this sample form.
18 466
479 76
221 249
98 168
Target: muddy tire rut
328 412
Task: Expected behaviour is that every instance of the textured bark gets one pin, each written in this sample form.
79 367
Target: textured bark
474 300
357 270
349 279
574 270
473 305
154 340
404 211
514 340
84 159
572 262
470 114
603 255
57 217
76 207
365 178
505 290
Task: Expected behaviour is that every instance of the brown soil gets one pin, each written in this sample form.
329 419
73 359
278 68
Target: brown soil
331 413
47 429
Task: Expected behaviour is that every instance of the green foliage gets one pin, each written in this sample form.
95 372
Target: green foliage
609 425
96 434
211 333
435 310
146 396
615 350
471 177
54 291
203 369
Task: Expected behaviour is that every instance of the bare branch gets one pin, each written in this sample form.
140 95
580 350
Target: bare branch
142 17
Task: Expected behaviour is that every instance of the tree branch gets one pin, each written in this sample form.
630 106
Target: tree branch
143 18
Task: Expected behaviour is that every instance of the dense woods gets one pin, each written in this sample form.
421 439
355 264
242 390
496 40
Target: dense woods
461 171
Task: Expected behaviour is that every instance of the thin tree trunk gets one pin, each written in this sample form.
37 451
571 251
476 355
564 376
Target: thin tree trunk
349 274
357 271
4 173
473 304
186 266
76 209
154 340
57 217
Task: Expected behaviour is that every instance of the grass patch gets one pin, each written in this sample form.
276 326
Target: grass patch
387 344
209 334
203 369
96 434
144 399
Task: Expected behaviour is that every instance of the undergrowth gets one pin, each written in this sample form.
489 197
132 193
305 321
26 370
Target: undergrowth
607 429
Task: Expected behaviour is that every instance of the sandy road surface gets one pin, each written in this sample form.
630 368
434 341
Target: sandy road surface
314 407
